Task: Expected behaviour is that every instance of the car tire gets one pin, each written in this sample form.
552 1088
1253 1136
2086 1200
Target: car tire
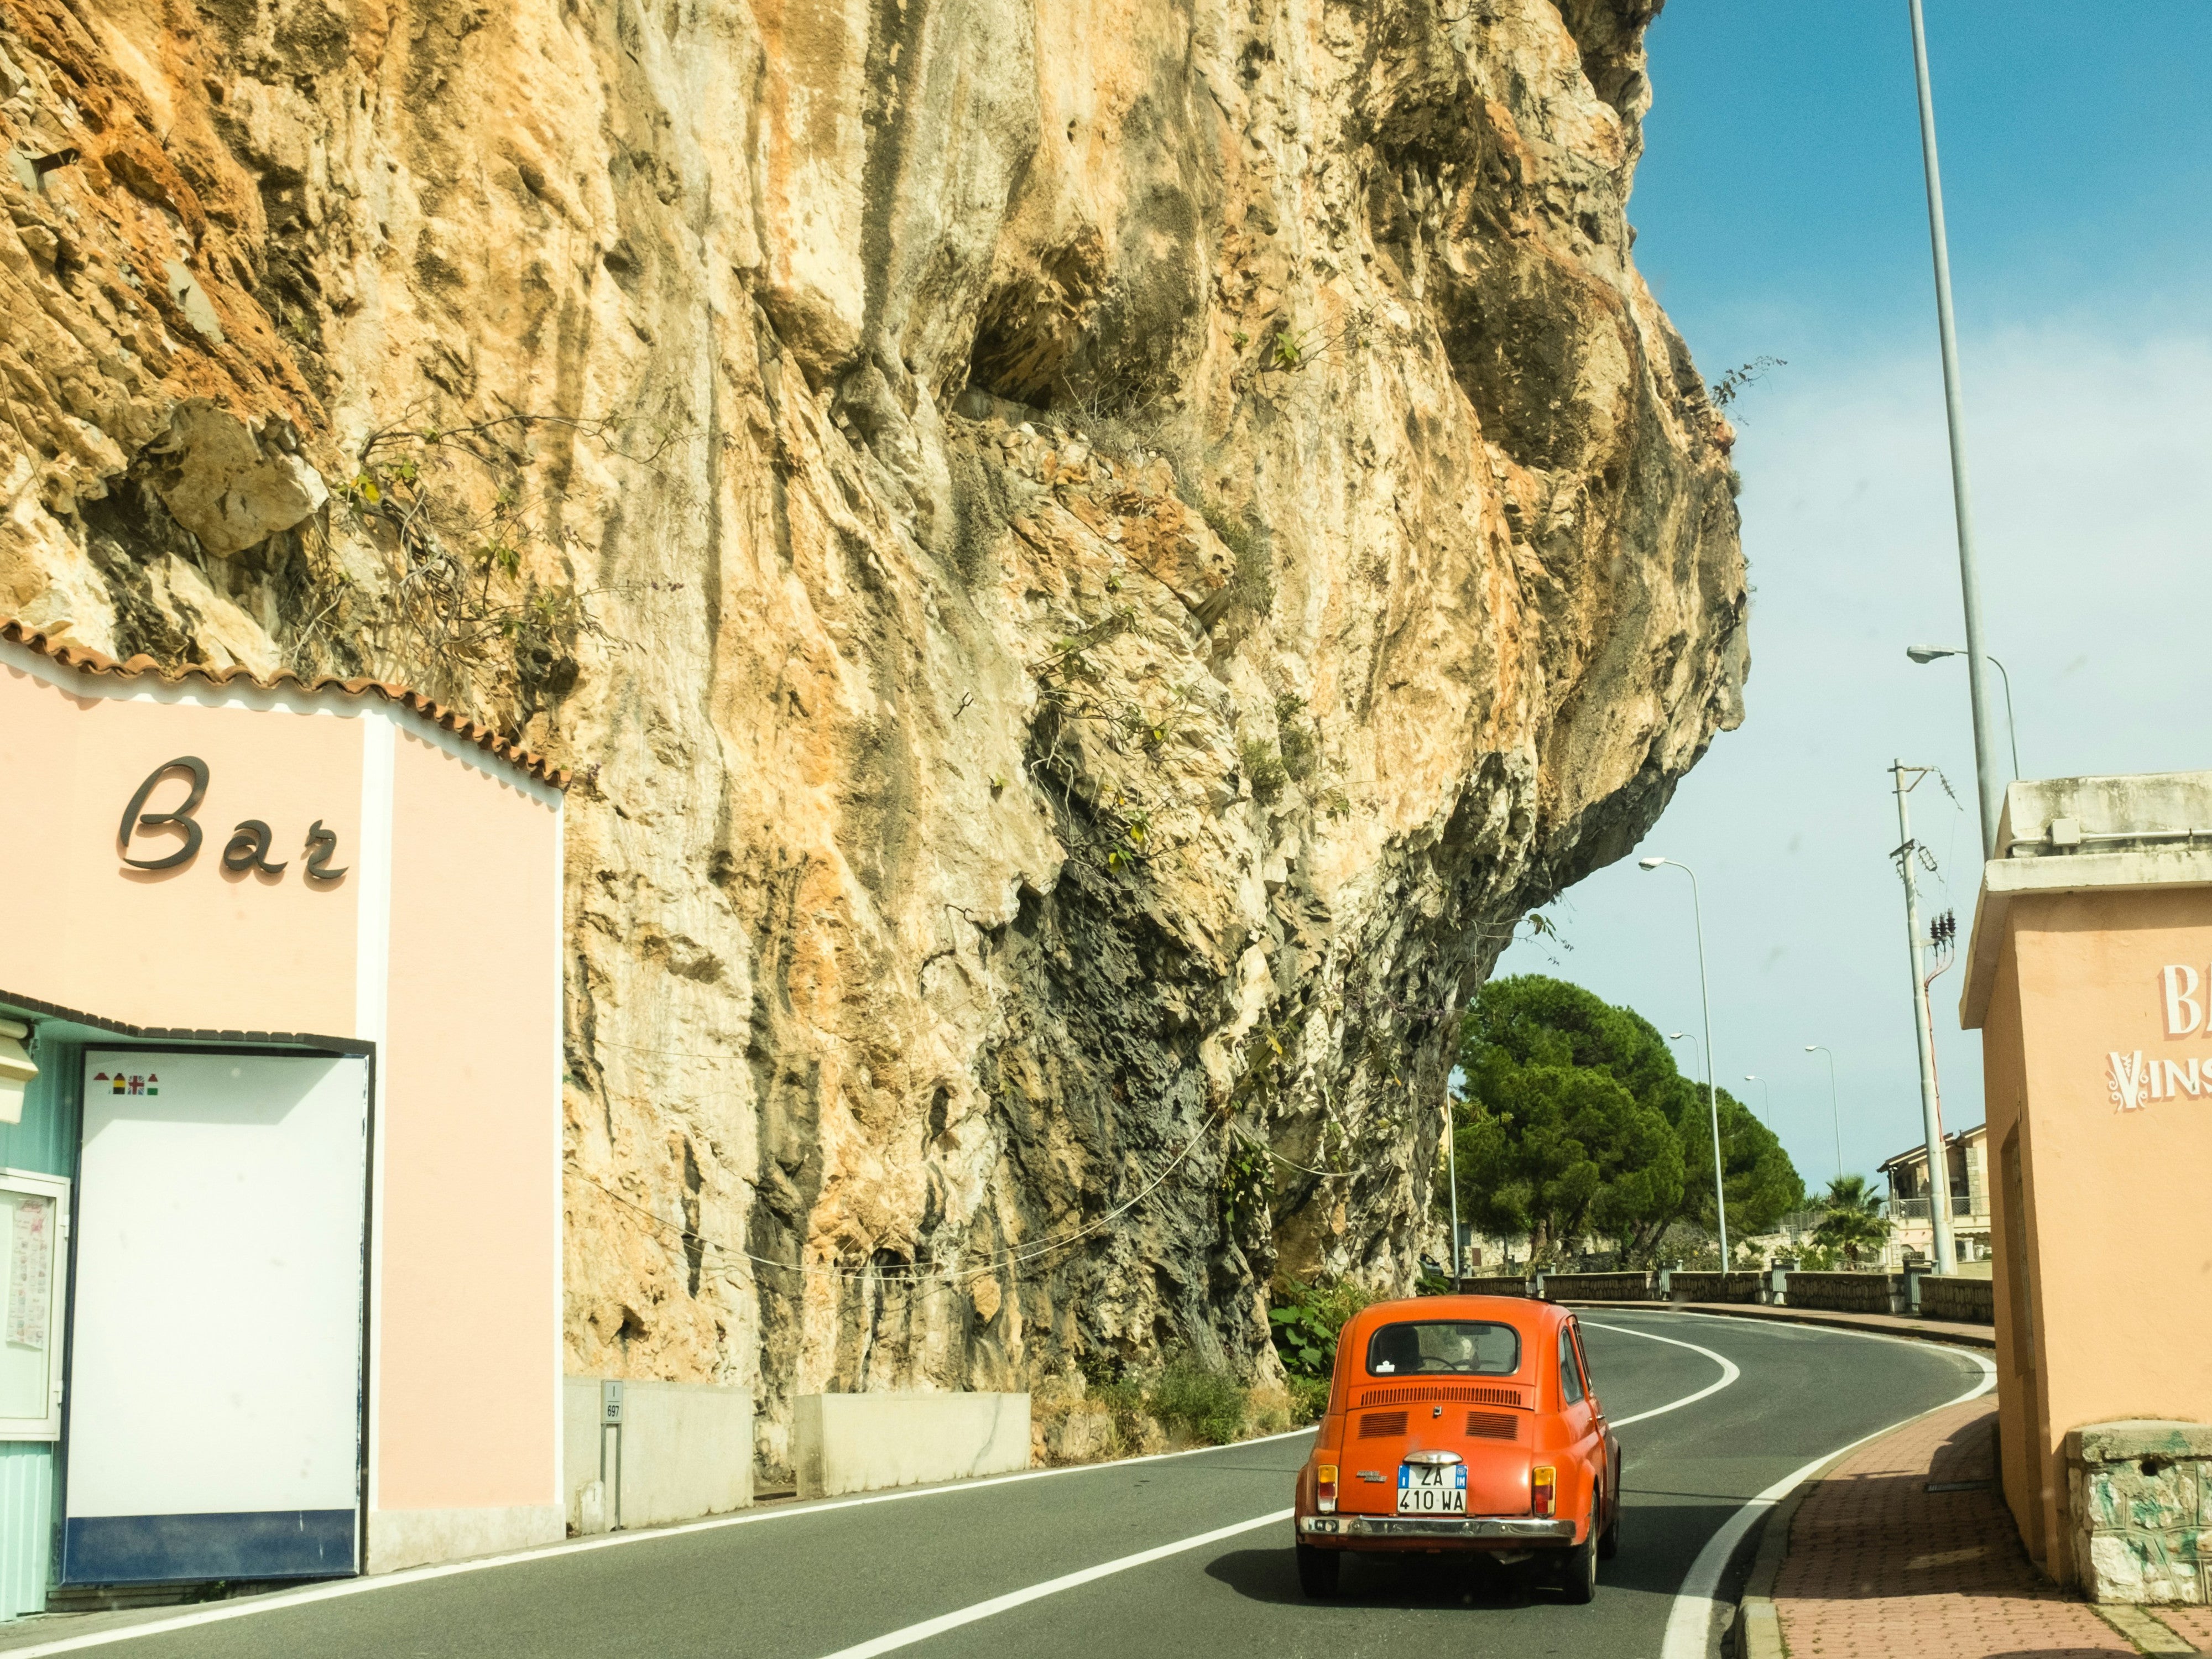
1578 1573
1608 1545
1318 1572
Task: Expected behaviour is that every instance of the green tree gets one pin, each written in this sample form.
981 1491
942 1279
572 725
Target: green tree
1574 1120
1854 1222
1556 1131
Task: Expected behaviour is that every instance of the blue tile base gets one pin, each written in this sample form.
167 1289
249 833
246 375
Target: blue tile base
169 1549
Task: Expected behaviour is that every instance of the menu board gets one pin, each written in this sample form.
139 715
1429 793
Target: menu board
30 1269
30 1229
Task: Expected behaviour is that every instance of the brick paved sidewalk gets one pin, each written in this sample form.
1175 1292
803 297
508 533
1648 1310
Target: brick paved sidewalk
1879 1565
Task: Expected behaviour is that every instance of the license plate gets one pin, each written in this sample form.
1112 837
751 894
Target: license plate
1432 1489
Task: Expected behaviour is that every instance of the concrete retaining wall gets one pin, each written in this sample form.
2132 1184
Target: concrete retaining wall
685 1450
866 1442
1869 1293
1597 1287
1967 1301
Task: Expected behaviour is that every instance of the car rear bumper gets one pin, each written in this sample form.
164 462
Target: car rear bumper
1506 1529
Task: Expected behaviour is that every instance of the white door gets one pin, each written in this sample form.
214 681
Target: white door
214 1410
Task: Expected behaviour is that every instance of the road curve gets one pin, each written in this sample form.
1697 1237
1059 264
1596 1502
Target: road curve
1191 1550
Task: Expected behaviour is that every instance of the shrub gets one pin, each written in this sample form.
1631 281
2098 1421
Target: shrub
1305 1321
1309 1398
1207 1404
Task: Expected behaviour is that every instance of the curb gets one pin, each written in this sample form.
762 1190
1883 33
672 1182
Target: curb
1756 1631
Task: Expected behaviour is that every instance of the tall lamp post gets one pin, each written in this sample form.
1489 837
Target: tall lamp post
1689 1037
1835 1112
1768 1088
1985 745
1927 653
1712 1089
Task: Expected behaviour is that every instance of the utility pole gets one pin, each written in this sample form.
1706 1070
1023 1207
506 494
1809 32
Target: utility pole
1924 1030
1991 791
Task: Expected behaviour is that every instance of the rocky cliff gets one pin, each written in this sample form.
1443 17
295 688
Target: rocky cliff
1090 563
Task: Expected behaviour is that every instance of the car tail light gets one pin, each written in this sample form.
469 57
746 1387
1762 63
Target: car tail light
1544 1491
1325 1488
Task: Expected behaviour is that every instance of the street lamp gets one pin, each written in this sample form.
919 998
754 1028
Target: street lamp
1835 1112
1689 1037
1955 415
1927 653
1754 1076
1712 1089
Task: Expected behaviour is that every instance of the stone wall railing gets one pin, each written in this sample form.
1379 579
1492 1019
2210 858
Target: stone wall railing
1596 1287
1495 1284
1965 1301
1677 1286
1871 1293
2139 1501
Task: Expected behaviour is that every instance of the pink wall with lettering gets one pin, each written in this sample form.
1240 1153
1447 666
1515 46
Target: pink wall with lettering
2118 1280
196 947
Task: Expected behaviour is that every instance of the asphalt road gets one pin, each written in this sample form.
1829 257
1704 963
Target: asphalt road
805 1582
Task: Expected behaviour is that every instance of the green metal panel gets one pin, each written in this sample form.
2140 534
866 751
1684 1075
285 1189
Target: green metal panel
27 1526
45 1141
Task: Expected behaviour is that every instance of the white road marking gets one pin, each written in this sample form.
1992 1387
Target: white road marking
273 1603
998 1604
1690 1633
1729 1371
913 1633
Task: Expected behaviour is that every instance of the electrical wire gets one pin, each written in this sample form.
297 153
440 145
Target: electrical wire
1012 1259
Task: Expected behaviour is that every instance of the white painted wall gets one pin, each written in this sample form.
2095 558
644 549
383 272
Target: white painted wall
686 1452
868 1442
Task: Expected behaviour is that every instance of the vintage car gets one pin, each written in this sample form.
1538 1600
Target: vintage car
1461 1424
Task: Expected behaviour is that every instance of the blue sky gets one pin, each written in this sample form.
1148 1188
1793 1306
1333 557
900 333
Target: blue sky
1780 213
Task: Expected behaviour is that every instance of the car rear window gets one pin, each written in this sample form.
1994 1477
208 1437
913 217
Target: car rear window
1449 1347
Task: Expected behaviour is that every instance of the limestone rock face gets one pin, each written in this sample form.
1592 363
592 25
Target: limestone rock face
1090 563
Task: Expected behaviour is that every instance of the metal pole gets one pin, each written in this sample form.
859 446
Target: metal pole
1923 1032
1989 790
1451 1165
1835 1111
1712 1089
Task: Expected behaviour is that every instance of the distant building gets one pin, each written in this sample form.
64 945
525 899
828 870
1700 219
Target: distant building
1911 1229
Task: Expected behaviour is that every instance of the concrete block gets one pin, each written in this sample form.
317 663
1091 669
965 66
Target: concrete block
683 1451
845 1443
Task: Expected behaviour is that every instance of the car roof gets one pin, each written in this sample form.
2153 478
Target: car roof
1519 1311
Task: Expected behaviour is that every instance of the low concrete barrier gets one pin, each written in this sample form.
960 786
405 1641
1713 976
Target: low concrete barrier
1495 1284
1597 1287
681 1450
1869 1293
1677 1285
845 1443
1960 1299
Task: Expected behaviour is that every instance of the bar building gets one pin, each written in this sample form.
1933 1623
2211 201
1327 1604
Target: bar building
280 1129
2090 979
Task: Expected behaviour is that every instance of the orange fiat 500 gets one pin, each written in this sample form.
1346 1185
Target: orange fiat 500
1461 1424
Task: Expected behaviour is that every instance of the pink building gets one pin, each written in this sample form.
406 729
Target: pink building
280 1034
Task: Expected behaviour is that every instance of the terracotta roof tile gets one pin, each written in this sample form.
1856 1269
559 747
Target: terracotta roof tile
91 662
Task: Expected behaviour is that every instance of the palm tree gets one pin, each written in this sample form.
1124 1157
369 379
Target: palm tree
1854 1221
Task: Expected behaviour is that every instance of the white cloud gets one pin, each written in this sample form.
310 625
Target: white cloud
2092 495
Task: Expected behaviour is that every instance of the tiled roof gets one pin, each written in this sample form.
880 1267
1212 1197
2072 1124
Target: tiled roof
91 662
